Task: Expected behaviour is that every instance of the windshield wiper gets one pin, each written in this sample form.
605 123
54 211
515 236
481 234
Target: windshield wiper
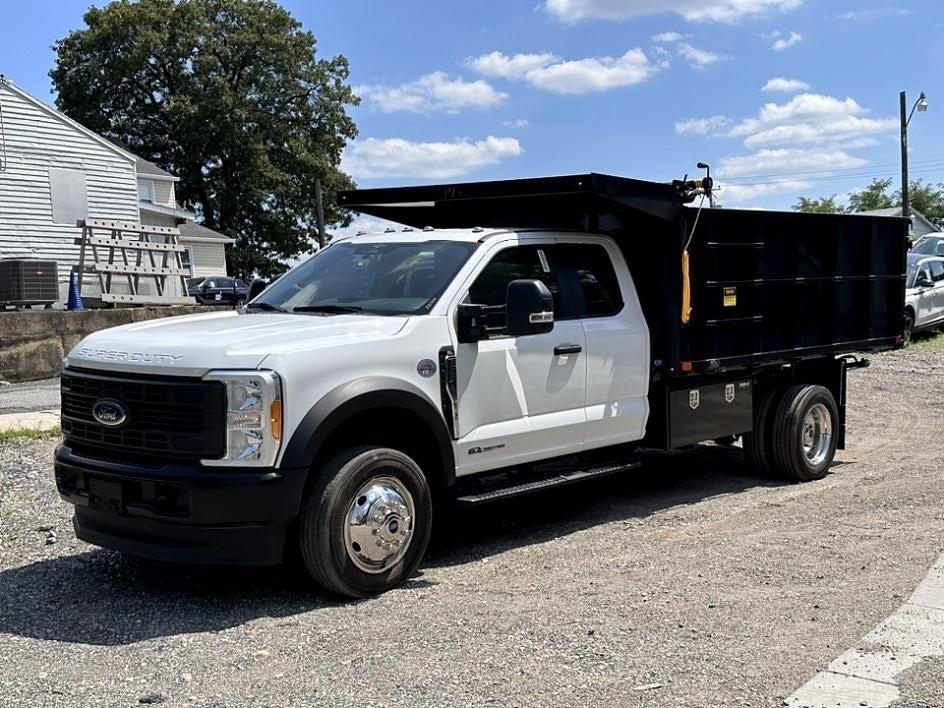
329 309
265 306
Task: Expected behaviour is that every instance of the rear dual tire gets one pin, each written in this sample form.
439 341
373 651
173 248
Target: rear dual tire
795 432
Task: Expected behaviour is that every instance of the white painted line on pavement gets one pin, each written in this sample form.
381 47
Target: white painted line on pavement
35 420
870 677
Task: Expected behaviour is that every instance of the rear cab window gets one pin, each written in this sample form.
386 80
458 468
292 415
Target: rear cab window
596 286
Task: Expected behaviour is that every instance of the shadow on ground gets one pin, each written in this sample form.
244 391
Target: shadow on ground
103 598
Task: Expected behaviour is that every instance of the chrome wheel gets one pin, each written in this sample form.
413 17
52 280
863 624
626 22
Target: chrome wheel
379 524
817 434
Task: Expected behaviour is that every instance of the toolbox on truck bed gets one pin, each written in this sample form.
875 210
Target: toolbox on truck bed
765 286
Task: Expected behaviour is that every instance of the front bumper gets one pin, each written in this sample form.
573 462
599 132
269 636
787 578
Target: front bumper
180 513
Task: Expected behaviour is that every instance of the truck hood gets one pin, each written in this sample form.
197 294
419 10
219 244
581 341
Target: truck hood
194 344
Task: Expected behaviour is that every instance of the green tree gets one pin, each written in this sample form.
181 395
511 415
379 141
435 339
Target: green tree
875 196
229 96
823 205
927 199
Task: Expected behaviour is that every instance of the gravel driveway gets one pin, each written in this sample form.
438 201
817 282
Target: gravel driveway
692 583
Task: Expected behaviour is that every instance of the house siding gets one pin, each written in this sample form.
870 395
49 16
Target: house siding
35 142
164 193
208 258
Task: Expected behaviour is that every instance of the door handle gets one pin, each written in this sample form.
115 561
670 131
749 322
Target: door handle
563 349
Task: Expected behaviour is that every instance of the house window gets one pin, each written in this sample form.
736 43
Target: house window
68 194
186 259
146 192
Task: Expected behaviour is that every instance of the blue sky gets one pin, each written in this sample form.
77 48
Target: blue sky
500 89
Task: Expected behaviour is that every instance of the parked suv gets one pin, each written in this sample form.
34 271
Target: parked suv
930 245
924 297
218 290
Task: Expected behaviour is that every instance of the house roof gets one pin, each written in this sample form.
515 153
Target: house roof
166 211
149 169
896 211
198 232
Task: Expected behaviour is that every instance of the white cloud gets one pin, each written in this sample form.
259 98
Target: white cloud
790 142
397 157
433 92
788 160
782 85
548 72
516 67
786 42
809 118
518 123
693 10
872 14
733 194
669 37
702 126
698 58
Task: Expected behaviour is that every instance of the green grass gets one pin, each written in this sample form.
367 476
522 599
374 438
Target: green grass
30 434
930 341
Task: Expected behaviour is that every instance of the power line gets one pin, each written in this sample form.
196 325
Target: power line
831 178
836 171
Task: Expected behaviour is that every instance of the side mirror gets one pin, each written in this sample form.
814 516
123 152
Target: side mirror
255 289
529 308
922 281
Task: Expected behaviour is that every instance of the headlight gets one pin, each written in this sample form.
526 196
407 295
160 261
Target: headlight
253 418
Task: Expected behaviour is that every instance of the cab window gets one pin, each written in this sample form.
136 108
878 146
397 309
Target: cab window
522 262
518 263
598 293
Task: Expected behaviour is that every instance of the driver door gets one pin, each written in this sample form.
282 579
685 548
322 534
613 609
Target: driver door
520 398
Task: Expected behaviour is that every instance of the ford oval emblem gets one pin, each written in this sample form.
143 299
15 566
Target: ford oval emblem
110 413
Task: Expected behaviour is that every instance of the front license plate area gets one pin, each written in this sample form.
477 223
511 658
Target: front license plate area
106 496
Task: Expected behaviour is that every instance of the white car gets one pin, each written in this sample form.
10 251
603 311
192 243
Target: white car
924 296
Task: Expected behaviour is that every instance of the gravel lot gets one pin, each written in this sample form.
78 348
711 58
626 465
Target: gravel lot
692 583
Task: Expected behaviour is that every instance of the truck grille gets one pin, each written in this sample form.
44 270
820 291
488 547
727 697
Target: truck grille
168 417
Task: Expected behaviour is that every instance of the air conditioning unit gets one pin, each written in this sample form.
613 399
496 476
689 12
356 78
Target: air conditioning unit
28 281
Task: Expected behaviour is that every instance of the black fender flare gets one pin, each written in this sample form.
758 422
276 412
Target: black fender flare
349 399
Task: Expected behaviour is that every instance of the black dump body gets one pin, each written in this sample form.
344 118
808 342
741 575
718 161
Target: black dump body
766 287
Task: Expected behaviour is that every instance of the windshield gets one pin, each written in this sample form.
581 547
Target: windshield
376 278
930 245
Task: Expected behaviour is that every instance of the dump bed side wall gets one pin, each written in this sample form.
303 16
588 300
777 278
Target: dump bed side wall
773 286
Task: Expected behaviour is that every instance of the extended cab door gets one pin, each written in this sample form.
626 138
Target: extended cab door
617 336
520 398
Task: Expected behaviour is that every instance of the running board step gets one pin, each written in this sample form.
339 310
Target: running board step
559 480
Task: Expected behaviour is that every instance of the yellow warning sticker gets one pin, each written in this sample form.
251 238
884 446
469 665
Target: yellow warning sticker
730 297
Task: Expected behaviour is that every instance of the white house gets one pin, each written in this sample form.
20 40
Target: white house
54 171
920 224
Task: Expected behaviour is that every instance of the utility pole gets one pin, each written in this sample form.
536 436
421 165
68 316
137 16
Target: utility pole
905 204
921 105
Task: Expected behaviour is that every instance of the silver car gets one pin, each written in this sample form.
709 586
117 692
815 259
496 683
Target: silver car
929 245
924 294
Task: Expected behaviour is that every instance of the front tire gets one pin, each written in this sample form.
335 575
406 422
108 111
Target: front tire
804 433
366 522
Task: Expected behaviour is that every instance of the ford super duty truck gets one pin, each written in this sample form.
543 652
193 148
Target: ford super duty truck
514 337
